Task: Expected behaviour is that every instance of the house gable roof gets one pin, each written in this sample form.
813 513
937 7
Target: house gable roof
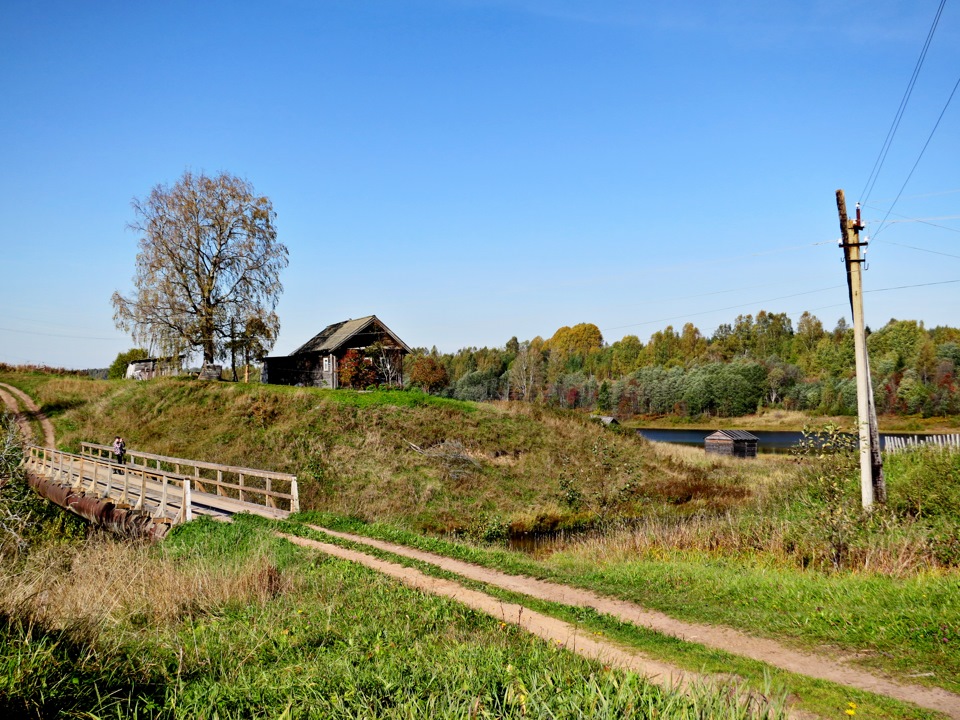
334 337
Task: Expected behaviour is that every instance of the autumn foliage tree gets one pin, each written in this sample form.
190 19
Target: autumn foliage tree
209 261
356 372
429 374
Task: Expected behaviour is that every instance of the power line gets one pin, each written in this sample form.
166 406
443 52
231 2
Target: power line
72 337
904 287
783 297
913 247
923 221
918 195
885 148
929 138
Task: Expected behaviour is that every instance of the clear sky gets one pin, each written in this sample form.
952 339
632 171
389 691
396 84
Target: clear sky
471 170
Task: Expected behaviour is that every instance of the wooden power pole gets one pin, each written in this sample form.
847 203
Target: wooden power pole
872 485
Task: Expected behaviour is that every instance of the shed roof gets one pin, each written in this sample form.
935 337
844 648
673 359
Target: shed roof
732 435
338 334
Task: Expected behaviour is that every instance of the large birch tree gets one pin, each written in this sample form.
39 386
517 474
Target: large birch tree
208 260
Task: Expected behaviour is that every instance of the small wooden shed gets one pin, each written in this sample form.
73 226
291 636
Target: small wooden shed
737 443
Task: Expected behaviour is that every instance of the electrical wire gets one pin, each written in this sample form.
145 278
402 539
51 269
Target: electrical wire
904 287
913 247
782 297
923 221
918 195
885 148
72 337
929 138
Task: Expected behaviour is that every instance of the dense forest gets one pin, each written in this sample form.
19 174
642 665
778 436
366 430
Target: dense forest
753 363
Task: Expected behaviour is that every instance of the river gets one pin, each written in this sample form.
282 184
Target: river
771 441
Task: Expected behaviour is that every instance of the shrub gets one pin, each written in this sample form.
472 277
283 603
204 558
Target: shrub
356 372
429 374
118 369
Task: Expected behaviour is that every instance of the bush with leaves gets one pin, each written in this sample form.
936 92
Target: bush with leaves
118 369
429 374
356 372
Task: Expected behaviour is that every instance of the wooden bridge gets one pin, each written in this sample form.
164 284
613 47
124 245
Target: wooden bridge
148 493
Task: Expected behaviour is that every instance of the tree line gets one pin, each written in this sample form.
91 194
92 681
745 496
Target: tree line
755 362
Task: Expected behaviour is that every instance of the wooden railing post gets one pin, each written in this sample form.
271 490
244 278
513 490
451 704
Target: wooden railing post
143 491
186 506
268 498
162 510
125 495
110 469
249 486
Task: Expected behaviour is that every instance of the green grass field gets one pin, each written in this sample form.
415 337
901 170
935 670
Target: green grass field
777 547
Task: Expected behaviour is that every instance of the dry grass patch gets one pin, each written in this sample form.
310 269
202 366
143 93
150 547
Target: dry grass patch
104 583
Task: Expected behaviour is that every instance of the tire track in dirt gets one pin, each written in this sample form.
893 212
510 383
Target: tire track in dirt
722 638
7 393
554 631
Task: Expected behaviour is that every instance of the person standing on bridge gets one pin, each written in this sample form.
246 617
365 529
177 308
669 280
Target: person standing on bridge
119 449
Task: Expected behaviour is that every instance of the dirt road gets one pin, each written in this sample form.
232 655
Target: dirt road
574 638
10 395
727 639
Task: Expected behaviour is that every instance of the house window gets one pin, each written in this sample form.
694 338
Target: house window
326 364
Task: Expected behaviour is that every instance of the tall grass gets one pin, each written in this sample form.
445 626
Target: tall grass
386 455
229 622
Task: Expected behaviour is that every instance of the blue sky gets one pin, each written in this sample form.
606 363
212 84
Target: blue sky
471 170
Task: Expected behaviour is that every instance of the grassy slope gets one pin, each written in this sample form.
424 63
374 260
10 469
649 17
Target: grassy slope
245 625
354 454
405 457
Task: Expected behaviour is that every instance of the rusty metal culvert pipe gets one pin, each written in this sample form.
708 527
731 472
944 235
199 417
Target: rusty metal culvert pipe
98 512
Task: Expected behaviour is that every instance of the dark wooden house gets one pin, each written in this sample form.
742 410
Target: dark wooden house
737 443
317 361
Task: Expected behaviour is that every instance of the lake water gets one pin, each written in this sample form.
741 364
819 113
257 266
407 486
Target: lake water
773 441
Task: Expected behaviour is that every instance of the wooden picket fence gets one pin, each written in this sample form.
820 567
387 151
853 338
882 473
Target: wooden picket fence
896 444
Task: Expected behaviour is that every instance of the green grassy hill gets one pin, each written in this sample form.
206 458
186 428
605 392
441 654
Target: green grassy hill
778 547
429 463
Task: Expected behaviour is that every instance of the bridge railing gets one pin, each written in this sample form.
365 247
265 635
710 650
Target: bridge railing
262 487
162 495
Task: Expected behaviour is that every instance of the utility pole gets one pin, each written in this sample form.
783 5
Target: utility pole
872 485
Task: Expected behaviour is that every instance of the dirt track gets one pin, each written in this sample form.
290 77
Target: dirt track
9 395
727 639
563 633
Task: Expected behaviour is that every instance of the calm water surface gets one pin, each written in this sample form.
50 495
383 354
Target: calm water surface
775 441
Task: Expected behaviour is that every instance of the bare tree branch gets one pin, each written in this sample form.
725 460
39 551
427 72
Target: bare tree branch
209 260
